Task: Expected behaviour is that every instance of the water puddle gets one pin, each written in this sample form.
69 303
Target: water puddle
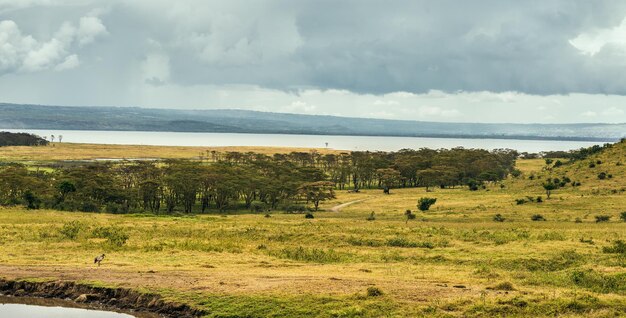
17 307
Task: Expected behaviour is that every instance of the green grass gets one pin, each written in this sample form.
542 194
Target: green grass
451 261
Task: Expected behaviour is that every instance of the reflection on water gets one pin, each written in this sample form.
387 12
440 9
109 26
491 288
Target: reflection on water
361 143
18 307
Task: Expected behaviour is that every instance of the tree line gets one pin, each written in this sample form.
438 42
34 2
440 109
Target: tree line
21 139
233 180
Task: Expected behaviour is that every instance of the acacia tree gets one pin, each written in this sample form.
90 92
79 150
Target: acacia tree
317 191
430 177
549 186
388 178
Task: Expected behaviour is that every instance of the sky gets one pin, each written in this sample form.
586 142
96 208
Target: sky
543 61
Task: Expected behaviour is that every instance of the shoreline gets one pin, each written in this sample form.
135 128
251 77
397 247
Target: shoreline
124 300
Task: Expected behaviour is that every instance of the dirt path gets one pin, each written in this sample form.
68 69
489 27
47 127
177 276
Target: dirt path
338 208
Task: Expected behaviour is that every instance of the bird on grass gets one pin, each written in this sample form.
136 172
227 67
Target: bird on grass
98 259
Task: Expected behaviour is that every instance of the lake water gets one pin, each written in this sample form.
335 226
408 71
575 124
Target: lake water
303 141
33 311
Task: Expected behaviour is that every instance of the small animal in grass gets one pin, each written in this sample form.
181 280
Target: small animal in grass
98 259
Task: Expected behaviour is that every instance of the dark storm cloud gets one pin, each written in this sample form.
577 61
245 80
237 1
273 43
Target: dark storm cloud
361 46
379 47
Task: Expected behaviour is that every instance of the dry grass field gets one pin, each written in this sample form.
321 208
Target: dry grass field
75 151
452 261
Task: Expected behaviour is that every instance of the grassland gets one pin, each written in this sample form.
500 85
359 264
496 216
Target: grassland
451 261
75 151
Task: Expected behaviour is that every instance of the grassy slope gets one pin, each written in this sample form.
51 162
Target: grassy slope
248 265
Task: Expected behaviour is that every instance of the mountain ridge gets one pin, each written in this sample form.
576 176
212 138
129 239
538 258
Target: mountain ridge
27 116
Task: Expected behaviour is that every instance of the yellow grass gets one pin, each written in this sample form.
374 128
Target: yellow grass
444 263
75 151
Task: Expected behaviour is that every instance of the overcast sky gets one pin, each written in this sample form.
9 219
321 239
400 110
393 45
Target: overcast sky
462 61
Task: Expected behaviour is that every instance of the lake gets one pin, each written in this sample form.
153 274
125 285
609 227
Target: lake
32 311
371 143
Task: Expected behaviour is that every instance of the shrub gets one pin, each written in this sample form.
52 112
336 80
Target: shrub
537 217
115 236
32 201
549 161
424 204
258 206
372 217
623 216
473 185
602 218
503 286
520 201
313 255
539 199
400 242
578 220
498 218
309 215
70 230
602 175
295 208
116 208
409 215
89 207
592 165
516 173
374 292
619 247
558 163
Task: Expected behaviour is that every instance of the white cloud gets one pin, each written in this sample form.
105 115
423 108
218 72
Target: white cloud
70 62
613 111
433 111
594 41
89 28
589 114
24 53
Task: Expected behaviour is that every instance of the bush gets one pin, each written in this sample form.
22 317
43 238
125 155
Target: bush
295 208
539 199
409 215
115 236
309 215
537 217
424 204
116 208
258 206
70 230
473 184
558 163
516 173
602 218
602 175
504 286
623 216
578 220
372 217
520 201
619 247
498 218
374 292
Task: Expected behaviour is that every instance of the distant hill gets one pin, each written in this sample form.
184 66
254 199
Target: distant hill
605 169
15 116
